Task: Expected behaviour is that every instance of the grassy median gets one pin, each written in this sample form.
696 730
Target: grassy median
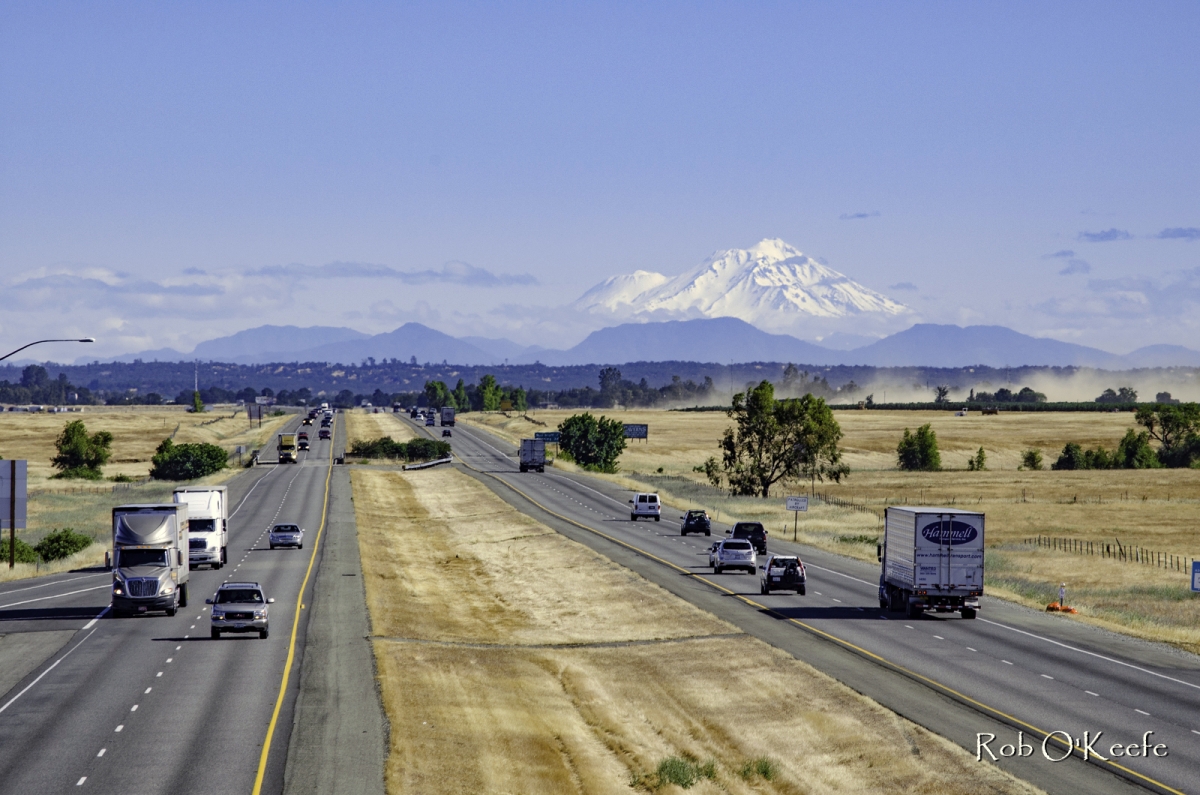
512 659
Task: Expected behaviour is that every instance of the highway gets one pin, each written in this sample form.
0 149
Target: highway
1009 670
151 703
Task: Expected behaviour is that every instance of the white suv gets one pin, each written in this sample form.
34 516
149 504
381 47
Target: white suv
646 505
733 553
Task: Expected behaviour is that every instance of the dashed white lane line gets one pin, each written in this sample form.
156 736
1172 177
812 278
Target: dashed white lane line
908 626
1195 732
148 689
1047 676
120 728
193 626
970 649
1006 662
133 708
79 783
158 674
102 750
177 648
99 616
837 600
169 659
1090 693
939 637
1141 712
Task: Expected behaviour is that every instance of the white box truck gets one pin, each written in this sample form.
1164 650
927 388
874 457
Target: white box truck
448 416
533 455
208 516
932 559
149 570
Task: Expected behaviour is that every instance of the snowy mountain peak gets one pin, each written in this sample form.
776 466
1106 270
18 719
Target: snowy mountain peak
769 284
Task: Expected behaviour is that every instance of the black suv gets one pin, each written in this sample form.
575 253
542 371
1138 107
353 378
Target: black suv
752 532
695 522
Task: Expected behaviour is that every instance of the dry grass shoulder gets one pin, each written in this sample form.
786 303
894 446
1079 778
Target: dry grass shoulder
367 426
512 659
1154 509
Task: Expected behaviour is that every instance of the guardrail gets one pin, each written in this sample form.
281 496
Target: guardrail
428 464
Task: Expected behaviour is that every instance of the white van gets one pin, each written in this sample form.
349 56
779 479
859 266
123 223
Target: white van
646 505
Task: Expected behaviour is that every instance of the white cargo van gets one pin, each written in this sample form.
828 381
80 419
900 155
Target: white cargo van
645 505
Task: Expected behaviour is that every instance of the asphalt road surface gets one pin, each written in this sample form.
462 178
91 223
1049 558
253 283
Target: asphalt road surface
1009 670
151 703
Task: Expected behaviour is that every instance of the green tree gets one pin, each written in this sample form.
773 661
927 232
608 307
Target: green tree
197 403
186 461
610 386
461 401
1177 430
918 452
1031 459
1072 457
61 544
81 455
490 393
941 394
1134 451
519 400
777 439
977 462
437 394
592 443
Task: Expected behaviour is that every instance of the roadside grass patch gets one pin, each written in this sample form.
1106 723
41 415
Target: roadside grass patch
682 771
763 767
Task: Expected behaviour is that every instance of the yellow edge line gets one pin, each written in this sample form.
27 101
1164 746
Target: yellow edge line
291 655
820 632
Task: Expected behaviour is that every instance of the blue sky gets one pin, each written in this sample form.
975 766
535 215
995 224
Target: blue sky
175 172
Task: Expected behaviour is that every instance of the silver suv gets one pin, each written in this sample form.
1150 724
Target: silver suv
240 607
733 553
287 535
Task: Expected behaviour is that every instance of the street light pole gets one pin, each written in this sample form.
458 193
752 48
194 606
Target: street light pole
39 342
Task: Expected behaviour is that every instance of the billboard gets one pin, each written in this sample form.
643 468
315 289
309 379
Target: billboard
547 436
637 431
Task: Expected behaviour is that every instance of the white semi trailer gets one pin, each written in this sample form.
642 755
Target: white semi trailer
533 455
208 517
932 559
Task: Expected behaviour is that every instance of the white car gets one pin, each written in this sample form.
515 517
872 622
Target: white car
733 553
287 535
645 505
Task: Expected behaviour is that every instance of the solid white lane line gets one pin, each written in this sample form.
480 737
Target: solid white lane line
48 670
99 616
55 596
56 582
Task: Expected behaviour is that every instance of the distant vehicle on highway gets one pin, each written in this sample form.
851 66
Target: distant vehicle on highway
240 607
695 521
732 553
783 573
445 432
324 433
208 515
645 505
429 421
532 455
448 416
752 531
307 421
286 535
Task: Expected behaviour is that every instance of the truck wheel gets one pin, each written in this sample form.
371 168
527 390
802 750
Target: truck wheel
911 610
717 570
183 594
170 612
656 518
682 532
764 590
883 603
708 532
800 590
895 604
224 556
215 634
633 517
968 612
263 634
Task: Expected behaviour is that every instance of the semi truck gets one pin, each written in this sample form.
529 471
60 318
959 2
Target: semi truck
286 446
533 455
932 559
208 532
448 416
150 571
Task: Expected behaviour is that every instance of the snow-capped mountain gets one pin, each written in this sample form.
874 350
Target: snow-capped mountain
770 284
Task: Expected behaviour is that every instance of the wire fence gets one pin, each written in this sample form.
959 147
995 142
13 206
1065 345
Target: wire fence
1125 553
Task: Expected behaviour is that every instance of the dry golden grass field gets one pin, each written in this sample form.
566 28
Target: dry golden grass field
363 425
86 505
1155 509
512 659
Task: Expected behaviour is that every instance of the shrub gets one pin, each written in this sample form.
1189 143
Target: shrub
186 461
684 772
415 450
62 544
1031 459
918 452
762 767
25 553
592 443
1072 457
977 462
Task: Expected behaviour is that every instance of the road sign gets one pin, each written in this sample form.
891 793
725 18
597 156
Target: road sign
547 436
797 503
637 431
13 482
1196 576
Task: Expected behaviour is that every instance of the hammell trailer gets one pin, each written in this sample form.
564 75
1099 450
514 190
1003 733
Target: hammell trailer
932 559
